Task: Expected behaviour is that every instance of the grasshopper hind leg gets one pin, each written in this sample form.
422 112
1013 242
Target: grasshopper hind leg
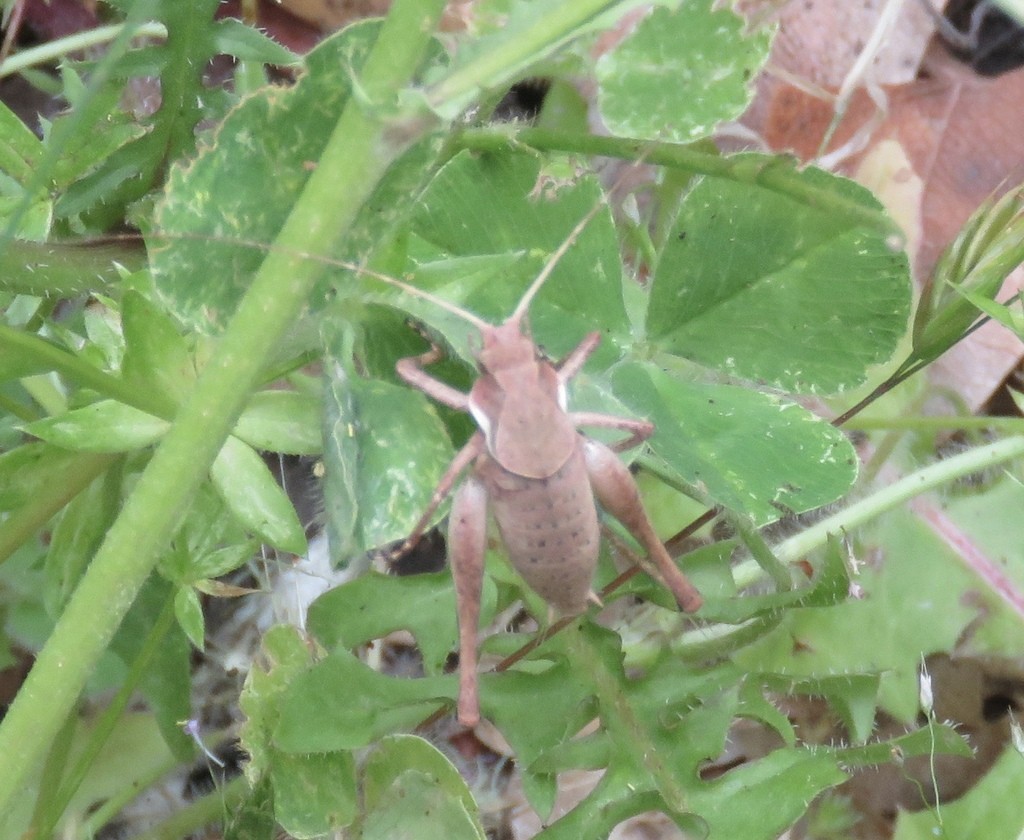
617 493
467 542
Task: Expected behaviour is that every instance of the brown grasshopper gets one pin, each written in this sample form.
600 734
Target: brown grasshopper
536 473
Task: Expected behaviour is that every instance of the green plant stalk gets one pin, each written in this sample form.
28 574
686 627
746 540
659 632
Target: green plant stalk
713 642
358 153
760 551
1010 425
19 527
928 478
60 269
105 725
780 177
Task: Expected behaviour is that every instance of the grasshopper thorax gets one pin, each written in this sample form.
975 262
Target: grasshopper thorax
519 404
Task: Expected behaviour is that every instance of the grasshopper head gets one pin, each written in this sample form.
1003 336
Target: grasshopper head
506 347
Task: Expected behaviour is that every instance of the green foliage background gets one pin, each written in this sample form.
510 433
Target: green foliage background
133 427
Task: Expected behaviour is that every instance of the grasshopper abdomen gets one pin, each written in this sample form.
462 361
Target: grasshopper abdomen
549 527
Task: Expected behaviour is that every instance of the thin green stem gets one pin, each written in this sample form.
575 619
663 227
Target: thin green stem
776 174
103 728
760 551
1012 425
51 357
53 50
883 500
559 22
362 146
22 523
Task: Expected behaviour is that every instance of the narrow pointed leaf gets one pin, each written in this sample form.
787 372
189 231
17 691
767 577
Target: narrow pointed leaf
248 488
104 426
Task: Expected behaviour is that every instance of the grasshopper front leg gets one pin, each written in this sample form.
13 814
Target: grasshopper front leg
411 370
463 458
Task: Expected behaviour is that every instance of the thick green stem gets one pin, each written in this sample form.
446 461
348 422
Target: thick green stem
61 269
357 155
777 174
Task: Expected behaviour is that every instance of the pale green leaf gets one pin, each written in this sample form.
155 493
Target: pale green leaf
284 655
104 426
407 782
385 450
680 73
315 793
189 613
156 357
749 451
478 206
248 488
282 421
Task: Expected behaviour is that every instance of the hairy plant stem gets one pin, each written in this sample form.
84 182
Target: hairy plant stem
619 717
777 174
104 727
358 153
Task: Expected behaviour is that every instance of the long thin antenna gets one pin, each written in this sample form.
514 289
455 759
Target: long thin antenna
570 240
560 251
441 303
408 288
